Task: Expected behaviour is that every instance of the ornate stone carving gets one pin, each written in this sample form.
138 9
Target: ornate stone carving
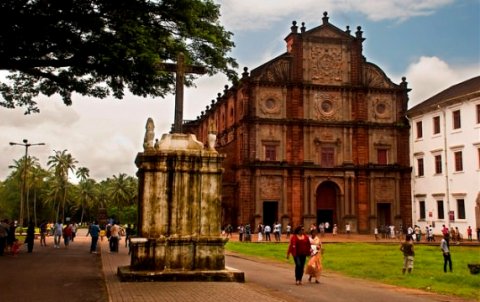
270 187
277 71
384 189
325 106
326 64
374 77
381 107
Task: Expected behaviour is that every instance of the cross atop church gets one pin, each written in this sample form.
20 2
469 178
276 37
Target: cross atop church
180 69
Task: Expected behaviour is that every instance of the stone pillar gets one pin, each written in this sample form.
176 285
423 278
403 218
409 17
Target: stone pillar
179 214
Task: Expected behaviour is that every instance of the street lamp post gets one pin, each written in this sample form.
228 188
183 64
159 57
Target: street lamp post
26 144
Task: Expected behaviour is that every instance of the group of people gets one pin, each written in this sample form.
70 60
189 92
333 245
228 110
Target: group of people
302 246
113 231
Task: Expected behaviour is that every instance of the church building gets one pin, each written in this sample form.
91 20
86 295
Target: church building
317 134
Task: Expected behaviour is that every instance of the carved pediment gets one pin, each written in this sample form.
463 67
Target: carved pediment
326 32
376 78
274 71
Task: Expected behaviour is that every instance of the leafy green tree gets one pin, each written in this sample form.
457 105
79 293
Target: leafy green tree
102 47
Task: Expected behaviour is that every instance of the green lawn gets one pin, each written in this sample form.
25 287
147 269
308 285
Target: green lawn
383 263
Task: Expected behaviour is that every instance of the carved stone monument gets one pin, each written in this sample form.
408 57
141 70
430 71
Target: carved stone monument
179 213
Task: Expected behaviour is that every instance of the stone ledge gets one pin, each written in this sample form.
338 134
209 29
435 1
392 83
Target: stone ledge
125 274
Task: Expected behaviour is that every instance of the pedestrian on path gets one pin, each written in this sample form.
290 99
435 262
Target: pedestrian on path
445 247
94 232
299 248
408 254
30 238
314 265
57 234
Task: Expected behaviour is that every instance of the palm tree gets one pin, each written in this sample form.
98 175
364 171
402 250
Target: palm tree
86 189
122 191
61 163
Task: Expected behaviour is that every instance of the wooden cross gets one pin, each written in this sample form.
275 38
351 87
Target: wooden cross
180 69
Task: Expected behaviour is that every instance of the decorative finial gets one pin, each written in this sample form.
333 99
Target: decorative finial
294 27
149 135
302 29
348 29
325 18
245 72
359 32
226 89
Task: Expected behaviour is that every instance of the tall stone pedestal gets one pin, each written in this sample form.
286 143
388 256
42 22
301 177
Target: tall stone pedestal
179 214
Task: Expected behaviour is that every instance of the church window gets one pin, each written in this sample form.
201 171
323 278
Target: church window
420 167
327 157
419 129
270 152
382 156
457 123
438 164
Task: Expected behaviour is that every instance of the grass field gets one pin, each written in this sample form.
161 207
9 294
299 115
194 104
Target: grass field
383 263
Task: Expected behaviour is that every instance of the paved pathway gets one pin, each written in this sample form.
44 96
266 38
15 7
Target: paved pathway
74 274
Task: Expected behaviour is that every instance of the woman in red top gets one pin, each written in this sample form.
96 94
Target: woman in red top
299 248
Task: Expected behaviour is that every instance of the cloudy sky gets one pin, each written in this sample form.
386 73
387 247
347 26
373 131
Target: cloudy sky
433 43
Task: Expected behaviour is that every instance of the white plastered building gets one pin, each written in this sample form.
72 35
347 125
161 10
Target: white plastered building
445 157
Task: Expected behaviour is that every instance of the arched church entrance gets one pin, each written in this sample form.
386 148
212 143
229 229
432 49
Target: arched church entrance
327 193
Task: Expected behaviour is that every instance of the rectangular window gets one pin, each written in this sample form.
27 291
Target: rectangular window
327 157
419 130
422 209
458 161
457 124
271 152
382 156
441 214
438 164
436 125
420 166
461 208
478 113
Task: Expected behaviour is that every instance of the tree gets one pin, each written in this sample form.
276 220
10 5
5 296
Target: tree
102 47
61 163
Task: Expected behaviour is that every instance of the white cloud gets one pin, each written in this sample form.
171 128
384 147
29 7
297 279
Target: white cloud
248 15
428 76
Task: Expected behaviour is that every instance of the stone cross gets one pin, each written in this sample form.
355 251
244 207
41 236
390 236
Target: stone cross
180 69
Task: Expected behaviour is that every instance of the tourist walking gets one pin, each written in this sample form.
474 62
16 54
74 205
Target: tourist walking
43 233
469 233
267 229
30 238
445 247
299 247
94 232
277 227
67 235
4 227
288 230
314 265
408 254
114 237
260 232
129 232
11 234
241 230
57 234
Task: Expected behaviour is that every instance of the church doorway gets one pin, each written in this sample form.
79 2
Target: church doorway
327 203
383 214
270 210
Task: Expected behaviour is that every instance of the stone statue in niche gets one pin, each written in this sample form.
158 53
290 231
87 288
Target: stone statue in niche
149 135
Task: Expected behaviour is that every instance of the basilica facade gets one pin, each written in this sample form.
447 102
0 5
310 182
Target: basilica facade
317 134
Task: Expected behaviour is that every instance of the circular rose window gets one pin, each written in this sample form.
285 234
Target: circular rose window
327 106
380 108
270 104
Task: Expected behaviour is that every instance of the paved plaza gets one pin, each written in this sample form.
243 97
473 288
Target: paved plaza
73 274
